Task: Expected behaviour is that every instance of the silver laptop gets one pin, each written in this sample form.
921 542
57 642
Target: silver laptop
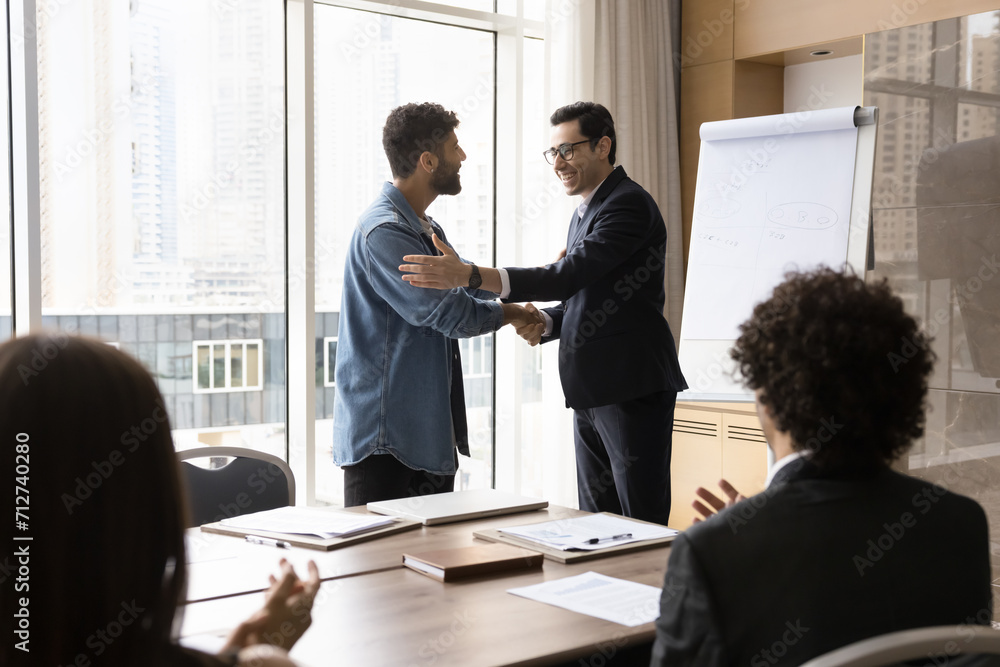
457 506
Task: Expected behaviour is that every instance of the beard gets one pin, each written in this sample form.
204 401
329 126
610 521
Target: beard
445 180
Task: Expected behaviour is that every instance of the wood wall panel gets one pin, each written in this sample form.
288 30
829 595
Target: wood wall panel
706 31
706 95
709 445
744 453
758 90
767 26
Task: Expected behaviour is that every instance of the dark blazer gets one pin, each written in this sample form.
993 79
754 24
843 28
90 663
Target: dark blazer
615 343
817 562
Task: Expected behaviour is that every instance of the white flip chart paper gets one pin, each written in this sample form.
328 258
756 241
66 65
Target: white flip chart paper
773 195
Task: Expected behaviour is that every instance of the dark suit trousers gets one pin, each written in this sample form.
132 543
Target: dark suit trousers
623 457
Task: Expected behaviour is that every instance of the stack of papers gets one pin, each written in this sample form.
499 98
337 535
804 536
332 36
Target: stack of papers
588 533
317 521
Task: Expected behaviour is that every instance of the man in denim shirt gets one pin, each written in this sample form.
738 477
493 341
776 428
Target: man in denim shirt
398 373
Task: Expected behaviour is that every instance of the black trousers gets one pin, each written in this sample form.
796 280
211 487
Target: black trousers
383 477
623 457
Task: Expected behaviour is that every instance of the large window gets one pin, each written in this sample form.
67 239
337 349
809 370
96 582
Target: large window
357 82
161 135
164 211
6 316
541 234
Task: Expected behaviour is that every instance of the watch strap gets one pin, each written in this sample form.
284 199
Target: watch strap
475 278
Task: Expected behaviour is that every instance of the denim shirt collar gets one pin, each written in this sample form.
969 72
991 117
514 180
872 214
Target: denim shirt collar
393 194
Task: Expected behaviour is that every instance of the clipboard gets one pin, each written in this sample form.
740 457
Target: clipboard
314 542
560 556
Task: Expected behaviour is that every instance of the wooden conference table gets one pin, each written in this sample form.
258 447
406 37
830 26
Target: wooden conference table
372 611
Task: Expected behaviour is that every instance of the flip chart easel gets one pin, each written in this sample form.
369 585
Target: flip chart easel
774 194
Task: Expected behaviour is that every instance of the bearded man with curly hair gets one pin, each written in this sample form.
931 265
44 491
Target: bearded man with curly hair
399 419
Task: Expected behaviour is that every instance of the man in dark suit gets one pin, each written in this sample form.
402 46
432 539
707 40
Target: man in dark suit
617 359
839 547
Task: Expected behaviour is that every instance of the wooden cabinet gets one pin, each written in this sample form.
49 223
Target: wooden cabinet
710 442
744 453
695 460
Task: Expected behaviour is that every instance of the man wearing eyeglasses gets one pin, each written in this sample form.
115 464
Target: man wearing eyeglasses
617 359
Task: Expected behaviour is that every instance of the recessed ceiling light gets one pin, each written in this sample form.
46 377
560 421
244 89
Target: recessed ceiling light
821 52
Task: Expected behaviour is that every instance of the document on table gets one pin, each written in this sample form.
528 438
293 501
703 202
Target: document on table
595 531
325 523
616 600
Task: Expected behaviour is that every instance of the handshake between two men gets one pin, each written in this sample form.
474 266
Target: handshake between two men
448 271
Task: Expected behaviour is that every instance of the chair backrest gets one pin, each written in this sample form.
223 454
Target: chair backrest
960 644
252 482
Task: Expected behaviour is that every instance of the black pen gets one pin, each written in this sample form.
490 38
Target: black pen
598 540
268 542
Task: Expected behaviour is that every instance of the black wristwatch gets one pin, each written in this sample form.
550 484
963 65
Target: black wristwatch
475 280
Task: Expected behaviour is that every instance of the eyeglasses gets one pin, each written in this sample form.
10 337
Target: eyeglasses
564 150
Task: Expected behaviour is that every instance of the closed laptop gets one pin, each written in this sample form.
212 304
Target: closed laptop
457 506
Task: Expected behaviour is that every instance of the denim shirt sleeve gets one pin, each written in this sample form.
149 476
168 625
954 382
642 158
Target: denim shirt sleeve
480 293
453 313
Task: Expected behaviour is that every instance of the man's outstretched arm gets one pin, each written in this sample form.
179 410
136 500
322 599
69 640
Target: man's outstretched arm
446 271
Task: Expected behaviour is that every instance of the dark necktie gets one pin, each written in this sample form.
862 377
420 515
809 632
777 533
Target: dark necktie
576 232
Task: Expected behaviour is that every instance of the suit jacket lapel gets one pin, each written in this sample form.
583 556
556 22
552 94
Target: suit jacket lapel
578 227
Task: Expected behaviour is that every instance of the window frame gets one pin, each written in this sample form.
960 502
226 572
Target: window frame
329 378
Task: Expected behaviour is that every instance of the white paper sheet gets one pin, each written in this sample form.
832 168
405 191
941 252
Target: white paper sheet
308 521
567 534
764 206
616 600
773 194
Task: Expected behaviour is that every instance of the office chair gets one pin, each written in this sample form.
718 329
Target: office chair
252 482
952 645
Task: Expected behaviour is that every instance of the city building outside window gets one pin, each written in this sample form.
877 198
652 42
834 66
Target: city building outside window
228 365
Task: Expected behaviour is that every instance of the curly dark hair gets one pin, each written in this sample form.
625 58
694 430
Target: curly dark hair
595 122
841 367
412 129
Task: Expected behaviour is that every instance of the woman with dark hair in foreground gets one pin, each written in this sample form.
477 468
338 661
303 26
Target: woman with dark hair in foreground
104 571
